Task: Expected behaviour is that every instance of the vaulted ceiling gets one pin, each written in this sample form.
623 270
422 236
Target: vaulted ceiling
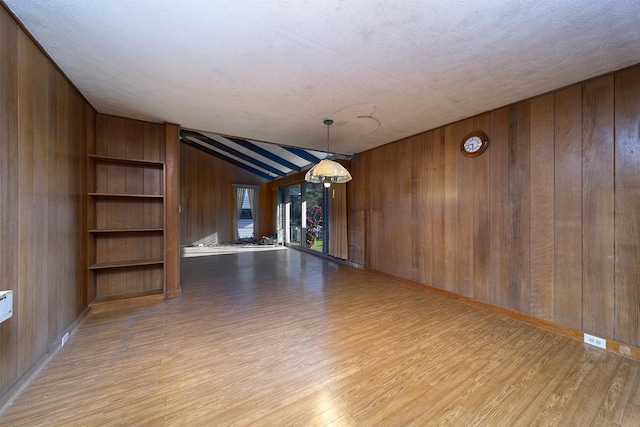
270 161
271 71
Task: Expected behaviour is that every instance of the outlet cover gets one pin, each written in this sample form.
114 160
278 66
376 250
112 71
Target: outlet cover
598 342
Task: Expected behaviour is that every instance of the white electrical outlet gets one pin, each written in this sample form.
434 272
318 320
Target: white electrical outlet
65 338
598 342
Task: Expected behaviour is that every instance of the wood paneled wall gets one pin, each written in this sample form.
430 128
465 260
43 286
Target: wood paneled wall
207 199
45 126
546 222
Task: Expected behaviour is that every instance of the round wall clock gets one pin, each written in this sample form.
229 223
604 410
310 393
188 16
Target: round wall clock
474 144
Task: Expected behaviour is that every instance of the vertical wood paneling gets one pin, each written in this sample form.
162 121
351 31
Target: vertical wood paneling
206 198
356 191
451 153
597 207
545 222
377 212
42 215
519 208
366 163
402 202
357 215
187 199
465 215
627 206
60 270
366 200
357 242
41 207
26 165
426 204
568 207
481 214
420 253
390 213
9 214
437 199
69 206
52 198
374 232
499 241
266 221
542 207
83 134
207 203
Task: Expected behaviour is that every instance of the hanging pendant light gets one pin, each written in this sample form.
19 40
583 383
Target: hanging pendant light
328 171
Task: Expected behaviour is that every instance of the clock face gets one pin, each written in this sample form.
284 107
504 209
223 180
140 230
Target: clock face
472 144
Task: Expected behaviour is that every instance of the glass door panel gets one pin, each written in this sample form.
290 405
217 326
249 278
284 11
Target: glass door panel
294 211
314 201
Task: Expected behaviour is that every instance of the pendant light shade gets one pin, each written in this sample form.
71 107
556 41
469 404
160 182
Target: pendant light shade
328 171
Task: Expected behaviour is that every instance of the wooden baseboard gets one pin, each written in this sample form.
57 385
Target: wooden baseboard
612 346
16 388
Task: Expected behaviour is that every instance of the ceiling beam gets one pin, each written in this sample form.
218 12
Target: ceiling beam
226 159
220 146
304 154
266 154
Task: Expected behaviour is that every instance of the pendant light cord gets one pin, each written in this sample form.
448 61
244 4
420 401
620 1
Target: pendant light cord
327 153
328 122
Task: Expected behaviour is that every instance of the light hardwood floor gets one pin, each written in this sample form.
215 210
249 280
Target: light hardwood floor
287 338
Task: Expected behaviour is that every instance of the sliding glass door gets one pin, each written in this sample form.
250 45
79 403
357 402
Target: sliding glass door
294 218
305 220
314 203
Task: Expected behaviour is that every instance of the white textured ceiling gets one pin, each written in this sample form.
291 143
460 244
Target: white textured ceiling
273 70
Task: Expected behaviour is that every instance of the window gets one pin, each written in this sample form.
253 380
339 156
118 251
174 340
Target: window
245 214
245 222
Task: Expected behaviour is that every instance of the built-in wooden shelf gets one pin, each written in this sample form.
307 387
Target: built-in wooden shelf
123 160
126 212
125 195
106 303
126 263
126 230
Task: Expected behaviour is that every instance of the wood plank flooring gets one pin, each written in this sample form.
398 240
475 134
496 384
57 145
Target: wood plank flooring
286 338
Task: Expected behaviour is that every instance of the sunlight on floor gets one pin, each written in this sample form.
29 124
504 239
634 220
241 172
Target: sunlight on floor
195 251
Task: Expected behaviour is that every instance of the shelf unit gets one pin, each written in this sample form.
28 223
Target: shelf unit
127 228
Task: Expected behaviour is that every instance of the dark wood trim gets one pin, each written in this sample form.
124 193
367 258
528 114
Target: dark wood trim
127 263
124 230
143 196
124 160
172 210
